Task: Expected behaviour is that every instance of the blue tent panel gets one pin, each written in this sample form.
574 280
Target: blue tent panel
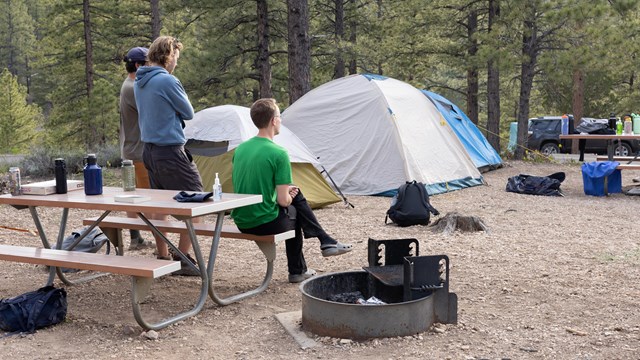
484 156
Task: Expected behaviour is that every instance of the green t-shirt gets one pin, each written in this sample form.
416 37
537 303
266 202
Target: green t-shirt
259 165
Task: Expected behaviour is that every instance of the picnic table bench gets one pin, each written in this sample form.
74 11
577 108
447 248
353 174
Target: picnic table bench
618 158
632 162
141 270
133 266
112 227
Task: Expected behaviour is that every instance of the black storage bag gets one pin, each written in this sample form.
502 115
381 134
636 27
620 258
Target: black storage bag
536 185
33 310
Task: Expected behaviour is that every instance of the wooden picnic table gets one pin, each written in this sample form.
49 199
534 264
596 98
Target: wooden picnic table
161 202
611 138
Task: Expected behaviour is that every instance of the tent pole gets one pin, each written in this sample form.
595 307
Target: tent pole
344 199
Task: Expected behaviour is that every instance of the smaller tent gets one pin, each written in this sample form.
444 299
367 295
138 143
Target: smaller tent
214 133
483 155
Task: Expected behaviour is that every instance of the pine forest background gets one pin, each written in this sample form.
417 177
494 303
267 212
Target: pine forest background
61 64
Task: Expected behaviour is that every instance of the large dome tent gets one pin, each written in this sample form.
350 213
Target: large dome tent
372 133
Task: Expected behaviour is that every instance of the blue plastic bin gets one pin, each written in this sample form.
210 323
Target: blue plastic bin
601 177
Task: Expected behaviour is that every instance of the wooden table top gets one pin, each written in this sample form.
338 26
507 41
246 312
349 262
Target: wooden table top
600 136
161 202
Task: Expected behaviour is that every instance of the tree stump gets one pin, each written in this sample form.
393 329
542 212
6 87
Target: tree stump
453 221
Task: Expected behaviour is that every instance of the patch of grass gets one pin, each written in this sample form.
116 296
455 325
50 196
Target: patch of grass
633 256
607 257
537 157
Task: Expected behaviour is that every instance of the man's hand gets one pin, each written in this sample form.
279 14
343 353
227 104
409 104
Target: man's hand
293 191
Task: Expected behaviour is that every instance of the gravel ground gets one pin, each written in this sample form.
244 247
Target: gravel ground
554 278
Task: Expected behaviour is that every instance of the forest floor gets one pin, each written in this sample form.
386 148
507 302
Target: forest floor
554 278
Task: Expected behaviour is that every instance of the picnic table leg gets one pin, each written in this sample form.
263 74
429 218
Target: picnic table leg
610 149
43 236
141 287
268 249
582 143
45 242
158 233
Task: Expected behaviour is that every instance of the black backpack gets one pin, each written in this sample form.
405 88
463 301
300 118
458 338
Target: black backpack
33 310
410 206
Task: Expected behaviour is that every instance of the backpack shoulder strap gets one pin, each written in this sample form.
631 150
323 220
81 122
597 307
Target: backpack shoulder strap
399 196
425 199
401 191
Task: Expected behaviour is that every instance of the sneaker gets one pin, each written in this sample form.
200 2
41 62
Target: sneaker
335 249
140 243
185 268
296 278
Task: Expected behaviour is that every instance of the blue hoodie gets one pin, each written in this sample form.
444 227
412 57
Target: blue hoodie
162 105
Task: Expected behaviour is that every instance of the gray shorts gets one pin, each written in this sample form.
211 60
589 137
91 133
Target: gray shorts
171 168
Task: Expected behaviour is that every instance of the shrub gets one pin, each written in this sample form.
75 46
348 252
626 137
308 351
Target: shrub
39 162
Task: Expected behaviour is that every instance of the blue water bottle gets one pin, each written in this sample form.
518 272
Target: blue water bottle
92 176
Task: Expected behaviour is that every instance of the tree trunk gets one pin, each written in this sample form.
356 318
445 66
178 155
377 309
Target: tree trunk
262 60
156 21
472 69
88 47
299 49
12 49
493 86
338 70
92 140
578 102
353 69
530 54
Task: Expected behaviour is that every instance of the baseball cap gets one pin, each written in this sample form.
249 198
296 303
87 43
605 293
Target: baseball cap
137 54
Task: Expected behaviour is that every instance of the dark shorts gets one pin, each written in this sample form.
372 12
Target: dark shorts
171 168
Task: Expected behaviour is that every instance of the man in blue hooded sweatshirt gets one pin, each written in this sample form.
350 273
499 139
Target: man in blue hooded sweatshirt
163 106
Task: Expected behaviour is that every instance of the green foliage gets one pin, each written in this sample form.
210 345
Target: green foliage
427 44
18 119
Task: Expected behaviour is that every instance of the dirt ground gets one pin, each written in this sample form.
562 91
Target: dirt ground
555 278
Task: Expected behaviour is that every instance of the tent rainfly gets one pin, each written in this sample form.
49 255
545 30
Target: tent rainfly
484 156
214 133
373 133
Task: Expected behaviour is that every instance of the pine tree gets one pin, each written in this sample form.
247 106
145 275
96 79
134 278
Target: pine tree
18 119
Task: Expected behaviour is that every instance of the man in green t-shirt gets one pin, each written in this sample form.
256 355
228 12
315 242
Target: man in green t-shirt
260 166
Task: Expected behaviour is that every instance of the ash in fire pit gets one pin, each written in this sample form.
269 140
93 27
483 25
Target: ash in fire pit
346 298
355 297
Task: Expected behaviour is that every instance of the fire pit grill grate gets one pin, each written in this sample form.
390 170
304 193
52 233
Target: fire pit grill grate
414 288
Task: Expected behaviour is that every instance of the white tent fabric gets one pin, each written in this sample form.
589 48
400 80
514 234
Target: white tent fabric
233 124
373 133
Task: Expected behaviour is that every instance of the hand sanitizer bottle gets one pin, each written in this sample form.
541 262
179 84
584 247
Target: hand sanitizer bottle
217 189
